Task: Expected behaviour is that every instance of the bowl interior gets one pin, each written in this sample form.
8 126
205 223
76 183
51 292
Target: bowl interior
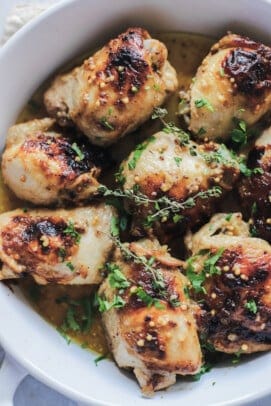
27 60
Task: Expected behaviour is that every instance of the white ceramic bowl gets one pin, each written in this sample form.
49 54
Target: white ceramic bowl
27 59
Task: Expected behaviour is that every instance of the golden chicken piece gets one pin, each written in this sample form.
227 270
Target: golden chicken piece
169 165
255 191
45 167
148 319
231 274
53 246
116 90
232 83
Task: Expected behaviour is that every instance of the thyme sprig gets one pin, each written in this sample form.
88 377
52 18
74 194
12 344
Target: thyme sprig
148 264
163 206
170 128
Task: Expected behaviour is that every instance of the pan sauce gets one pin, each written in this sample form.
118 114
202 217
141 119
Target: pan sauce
186 52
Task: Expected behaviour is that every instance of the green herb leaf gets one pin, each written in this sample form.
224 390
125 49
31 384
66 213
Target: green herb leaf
228 216
203 370
254 208
201 131
77 150
239 134
71 231
105 123
114 227
116 278
120 178
209 266
104 305
199 103
64 335
138 152
147 299
100 358
62 253
251 306
70 266
177 160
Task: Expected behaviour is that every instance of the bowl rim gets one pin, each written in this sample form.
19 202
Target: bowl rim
13 351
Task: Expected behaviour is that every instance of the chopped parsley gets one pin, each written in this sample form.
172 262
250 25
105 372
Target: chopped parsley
62 253
116 278
100 358
222 72
71 231
120 178
176 218
79 314
201 131
104 305
177 160
251 306
228 216
237 357
199 103
138 152
203 370
70 266
64 335
77 150
209 267
105 123
253 231
114 227
254 208
147 299
239 134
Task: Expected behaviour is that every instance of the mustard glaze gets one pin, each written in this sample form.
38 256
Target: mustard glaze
186 52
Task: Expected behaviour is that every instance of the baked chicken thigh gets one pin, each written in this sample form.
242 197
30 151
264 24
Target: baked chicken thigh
45 167
232 83
169 166
148 320
55 246
231 274
255 191
116 90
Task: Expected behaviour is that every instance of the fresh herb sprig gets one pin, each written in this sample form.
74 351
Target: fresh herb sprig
170 128
148 264
163 207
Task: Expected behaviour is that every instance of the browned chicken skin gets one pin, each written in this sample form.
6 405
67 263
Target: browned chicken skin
255 191
178 171
53 246
233 81
237 292
156 336
45 166
116 90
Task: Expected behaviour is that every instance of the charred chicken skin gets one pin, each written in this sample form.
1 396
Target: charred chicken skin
53 245
231 275
45 167
116 90
233 82
153 330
